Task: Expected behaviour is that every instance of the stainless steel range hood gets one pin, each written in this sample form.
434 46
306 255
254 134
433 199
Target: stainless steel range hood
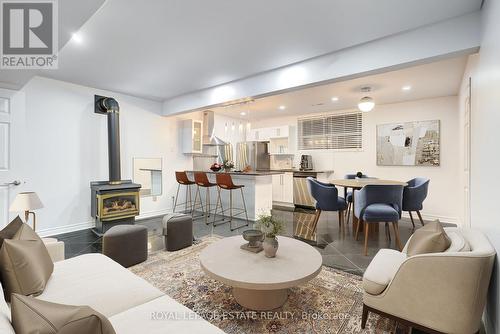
210 139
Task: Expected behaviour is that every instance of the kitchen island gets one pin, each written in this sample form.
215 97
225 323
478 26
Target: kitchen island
258 192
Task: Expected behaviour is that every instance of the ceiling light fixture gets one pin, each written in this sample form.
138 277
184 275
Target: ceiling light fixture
335 99
406 88
282 107
366 103
76 37
243 113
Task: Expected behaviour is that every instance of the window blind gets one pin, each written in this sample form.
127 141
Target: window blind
332 131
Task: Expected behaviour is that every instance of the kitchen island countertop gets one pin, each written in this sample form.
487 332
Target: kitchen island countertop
296 170
251 173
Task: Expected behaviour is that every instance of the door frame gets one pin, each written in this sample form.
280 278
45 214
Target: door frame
11 173
467 154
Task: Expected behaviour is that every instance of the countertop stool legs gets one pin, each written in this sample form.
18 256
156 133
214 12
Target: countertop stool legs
225 182
183 180
201 180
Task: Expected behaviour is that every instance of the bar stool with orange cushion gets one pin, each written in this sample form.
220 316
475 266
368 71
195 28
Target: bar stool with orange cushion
201 180
225 182
182 179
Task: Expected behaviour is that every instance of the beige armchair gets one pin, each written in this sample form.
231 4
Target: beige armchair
438 292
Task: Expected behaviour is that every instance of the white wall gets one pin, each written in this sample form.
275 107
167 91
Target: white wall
68 149
444 199
485 156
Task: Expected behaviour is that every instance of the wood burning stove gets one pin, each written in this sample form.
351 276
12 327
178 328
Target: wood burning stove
116 201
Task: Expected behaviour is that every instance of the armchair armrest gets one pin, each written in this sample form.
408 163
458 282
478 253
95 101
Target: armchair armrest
442 291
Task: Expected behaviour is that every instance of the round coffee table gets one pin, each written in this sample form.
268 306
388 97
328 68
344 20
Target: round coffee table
260 283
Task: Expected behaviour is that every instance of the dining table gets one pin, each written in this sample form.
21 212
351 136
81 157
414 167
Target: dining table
358 183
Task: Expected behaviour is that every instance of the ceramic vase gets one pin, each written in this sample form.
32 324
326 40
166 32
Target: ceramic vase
270 246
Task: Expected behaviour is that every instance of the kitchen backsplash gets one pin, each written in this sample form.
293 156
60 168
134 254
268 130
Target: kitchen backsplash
282 161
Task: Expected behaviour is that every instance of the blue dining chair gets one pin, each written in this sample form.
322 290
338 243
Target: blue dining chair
378 204
348 194
327 199
414 195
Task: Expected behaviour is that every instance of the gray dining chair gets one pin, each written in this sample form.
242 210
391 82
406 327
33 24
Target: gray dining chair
378 204
414 195
327 199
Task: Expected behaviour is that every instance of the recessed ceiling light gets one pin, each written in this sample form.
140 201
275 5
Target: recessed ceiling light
243 113
406 88
76 37
335 99
282 107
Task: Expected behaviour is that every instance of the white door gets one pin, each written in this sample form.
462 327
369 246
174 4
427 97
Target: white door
467 143
11 143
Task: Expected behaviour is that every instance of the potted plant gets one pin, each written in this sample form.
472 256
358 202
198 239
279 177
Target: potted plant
228 165
271 227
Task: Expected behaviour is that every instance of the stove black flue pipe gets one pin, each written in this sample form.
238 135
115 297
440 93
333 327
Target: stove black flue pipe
110 107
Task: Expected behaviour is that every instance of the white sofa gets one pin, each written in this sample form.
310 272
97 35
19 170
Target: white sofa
130 303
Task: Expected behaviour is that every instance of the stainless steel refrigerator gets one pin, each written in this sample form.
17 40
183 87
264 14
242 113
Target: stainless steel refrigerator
254 154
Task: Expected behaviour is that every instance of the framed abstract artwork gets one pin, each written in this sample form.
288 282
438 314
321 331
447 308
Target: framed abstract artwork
409 144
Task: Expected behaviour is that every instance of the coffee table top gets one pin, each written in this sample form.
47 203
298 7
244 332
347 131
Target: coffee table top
296 262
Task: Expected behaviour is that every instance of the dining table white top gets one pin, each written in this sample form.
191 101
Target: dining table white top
361 182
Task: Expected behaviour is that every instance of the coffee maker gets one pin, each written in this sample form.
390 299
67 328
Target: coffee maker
306 162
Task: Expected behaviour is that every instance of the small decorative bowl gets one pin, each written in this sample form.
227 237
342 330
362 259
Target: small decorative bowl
215 169
254 237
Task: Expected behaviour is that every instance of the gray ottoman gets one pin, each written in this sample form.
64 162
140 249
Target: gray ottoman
126 244
178 231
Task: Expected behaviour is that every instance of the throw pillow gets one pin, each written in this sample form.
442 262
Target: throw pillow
25 263
31 315
11 229
428 239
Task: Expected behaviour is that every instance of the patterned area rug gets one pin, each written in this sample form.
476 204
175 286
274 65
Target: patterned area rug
330 303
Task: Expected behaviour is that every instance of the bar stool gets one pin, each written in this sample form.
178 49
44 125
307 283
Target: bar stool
201 180
182 179
225 182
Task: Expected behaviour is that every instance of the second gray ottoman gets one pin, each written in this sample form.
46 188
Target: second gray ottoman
126 244
178 231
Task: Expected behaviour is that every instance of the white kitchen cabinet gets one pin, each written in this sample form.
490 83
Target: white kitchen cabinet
192 135
279 132
284 144
283 189
266 134
277 189
288 188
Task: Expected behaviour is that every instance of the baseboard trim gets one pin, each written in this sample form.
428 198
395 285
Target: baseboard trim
425 216
66 229
91 224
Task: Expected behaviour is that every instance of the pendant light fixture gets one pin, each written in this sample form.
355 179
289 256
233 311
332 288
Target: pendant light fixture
366 103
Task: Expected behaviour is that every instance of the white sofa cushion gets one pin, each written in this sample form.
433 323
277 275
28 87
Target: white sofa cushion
381 270
99 282
5 325
159 316
458 242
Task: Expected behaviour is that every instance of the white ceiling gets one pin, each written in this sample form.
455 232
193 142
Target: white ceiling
159 49
72 15
436 79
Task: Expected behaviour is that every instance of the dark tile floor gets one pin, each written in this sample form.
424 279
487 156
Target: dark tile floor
339 250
